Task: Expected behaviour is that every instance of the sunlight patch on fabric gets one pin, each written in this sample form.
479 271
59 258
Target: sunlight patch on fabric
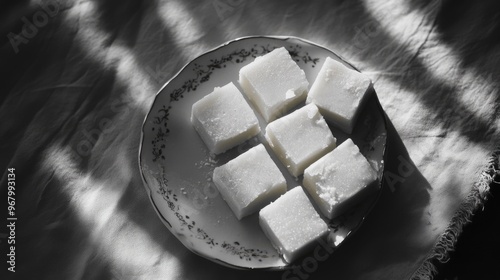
184 27
417 32
121 241
112 55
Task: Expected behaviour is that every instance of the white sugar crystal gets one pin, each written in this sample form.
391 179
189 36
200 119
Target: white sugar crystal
292 224
274 83
300 138
249 181
223 119
338 91
340 179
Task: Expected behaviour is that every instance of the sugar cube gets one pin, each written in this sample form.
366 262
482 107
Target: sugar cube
340 179
223 119
249 181
300 138
274 83
338 91
292 224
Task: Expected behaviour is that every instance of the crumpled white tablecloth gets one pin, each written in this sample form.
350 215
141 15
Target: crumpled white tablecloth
78 77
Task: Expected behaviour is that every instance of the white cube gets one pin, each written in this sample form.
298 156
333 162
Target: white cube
300 138
339 91
274 83
340 179
250 181
223 119
292 224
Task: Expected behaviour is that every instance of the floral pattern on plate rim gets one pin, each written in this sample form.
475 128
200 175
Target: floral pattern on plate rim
202 73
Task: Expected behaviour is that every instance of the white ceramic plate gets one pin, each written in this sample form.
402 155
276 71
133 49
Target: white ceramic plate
177 168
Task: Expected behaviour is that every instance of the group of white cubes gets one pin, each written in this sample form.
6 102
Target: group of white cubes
302 140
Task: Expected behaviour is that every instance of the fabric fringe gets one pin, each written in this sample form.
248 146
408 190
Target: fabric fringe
473 202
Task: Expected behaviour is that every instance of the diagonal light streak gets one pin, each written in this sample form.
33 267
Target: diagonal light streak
124 244
408 27
111 54
184 27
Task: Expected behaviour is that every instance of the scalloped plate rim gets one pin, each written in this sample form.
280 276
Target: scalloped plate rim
141 141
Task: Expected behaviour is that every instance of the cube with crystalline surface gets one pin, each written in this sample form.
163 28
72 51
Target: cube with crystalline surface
292 224
300 138
274 83
250 181
223 119
339 91
340 179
